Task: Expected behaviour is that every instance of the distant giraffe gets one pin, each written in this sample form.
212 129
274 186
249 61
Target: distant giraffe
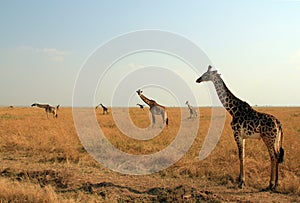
249 123
192 111
141 106
155 108
104 108
48 109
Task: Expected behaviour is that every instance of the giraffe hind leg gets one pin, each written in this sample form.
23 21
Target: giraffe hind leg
274 159
279 160
153 118
274 175
165 118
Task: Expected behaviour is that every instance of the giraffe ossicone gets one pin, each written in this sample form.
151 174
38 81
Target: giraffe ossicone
249 123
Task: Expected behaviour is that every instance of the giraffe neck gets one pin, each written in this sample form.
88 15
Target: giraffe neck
230 102
103 107
149 102
42 105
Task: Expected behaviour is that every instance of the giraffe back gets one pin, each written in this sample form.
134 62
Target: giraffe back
254 124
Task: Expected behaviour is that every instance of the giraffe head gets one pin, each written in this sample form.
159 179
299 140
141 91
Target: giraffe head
209 75
187 102
139 91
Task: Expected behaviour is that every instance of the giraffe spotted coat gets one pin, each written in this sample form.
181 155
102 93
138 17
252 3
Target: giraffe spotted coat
249 123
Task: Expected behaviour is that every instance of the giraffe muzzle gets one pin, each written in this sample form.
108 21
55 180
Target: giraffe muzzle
199 80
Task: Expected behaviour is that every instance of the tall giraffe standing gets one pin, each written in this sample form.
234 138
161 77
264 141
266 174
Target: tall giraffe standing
155 108
249 123
192 111
48 109
104 108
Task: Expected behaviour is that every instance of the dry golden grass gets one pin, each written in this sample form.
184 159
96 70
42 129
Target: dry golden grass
16 191
42 160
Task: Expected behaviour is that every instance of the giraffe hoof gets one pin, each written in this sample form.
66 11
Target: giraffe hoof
241 183
271 187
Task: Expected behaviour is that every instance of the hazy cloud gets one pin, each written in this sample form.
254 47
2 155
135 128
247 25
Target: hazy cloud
53 53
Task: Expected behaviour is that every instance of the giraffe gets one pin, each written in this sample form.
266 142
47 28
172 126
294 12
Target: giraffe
249 123
48 109
192 111
155 108
104 108
141 106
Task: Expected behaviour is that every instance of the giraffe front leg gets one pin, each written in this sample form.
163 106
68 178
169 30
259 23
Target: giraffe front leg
241 150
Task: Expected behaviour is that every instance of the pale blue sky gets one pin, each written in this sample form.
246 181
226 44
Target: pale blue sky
255 45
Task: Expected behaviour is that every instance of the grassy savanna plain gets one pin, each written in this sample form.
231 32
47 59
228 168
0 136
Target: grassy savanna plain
42 160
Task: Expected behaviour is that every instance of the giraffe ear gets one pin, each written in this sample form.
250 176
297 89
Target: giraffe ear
209 68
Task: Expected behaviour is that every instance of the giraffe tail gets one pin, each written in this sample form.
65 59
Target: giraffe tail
167 119
281 155
281 151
